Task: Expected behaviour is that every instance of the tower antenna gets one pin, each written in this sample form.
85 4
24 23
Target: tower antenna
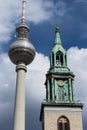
23 20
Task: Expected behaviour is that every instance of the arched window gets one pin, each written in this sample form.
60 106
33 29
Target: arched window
63 123
59 58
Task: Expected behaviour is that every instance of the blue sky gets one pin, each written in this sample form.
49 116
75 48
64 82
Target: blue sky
42 17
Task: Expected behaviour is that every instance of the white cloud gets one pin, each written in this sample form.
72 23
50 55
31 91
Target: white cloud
35 78
77 60
78 63
8 15
60 9
37 11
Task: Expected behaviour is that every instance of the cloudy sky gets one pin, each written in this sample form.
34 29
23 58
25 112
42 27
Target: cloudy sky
42 17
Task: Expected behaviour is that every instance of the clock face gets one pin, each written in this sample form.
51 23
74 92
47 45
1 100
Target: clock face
60 83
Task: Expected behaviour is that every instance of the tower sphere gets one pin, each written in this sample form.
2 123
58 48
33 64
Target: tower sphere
22 50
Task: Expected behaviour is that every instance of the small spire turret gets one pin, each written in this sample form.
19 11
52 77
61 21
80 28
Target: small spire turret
58 54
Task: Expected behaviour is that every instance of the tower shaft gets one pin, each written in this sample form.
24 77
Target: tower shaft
19 111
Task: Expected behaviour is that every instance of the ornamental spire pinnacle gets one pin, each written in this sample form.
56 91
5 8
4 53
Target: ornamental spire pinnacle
23 20
57 39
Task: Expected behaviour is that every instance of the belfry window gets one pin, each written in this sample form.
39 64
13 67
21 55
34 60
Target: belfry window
59 58
63 123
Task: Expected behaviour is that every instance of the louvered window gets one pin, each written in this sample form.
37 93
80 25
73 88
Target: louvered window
63 123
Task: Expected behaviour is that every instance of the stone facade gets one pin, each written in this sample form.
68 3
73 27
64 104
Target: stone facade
52 114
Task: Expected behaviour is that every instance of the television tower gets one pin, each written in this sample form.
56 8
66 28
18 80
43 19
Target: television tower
21 53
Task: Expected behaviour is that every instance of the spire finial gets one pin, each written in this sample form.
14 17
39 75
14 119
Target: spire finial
23 20
57 29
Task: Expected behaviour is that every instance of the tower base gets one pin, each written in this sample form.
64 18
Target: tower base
66 116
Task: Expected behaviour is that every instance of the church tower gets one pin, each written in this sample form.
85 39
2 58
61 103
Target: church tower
60 111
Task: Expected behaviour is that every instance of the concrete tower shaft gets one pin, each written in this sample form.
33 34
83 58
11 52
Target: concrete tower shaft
19 108
21 53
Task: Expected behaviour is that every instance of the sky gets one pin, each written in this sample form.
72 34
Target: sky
42 17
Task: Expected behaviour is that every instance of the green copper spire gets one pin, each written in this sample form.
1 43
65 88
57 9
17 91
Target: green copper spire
59 88
57 39
58 54
59 79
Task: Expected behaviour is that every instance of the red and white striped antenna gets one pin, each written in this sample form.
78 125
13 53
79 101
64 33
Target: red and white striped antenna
23 20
